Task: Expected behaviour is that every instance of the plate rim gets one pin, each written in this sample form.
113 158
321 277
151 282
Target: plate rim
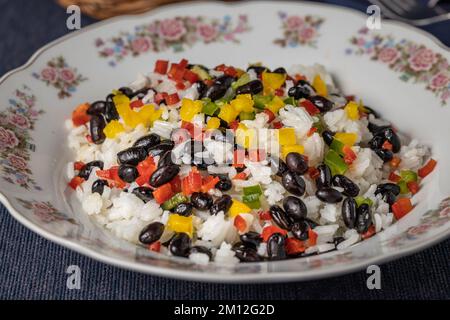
213 277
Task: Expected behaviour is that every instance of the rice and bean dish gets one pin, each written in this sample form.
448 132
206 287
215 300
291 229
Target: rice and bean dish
230 165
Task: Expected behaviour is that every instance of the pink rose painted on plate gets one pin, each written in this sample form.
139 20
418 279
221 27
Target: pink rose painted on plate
207 32
388 55
19 121
171 29
67 75
423 60
8 139
439 81
49 74
299 30
141 44
17 162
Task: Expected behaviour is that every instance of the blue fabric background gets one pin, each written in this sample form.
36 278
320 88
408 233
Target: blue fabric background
34 268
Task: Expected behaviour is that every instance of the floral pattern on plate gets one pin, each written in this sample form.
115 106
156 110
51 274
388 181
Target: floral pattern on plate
299 30
414 62
174 33
16 142
45 211
60 75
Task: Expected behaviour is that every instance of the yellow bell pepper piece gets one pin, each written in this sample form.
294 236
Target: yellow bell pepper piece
130 117
228 113
243 102
348 139
285 150
320 86
120 98
275 105
237 208
113 128
190 108
352 110
179 223
272 81
148 114
246 137
213 123
286 136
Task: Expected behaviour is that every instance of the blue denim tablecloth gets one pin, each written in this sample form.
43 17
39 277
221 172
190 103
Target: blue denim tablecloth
34 268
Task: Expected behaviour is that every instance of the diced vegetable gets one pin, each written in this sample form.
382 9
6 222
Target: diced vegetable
80 116
270 230
240 224
275 105
413 187
189 109
256 189
209 183
360 200
192 183
337 146
335 162
402 207
294 246
238 207
174 201
76 182
427 169
261 101
309 106
228 113
408 175
286 136
349 155
161 66
202 74
213 123
349 139
163 193
247 116
394 177
403 187
243 102
179 223
285 150
352 110
272 81
320 86
243 79
252 200
210 108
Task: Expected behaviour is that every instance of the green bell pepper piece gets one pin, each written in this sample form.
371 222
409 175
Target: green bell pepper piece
291 101
252 200
408 175
247 116
256 189
360 200
337 146
209 108
243 79
403 187
174 201
261 101
335 162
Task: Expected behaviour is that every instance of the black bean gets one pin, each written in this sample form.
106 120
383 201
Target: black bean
373 128
337 240
98 186
349 212
132 155
280 70
293 183
184 209
329 195
143 193
302 90
151 233
278 166
280 217
328 136
97 108
296 163
111 112
275 247
86 170
251 239
369 110
219 88
201 249
180 245
161 148
323 104
126 91
201 201
221 204
384 188
128 173
300 230
258 69
224 183
247 254
147 141
324 178
393 138
385 155
363 218
390 198
165 159
252 87
141 93
163 175
376 142
96 126
295 208
350 188
201 88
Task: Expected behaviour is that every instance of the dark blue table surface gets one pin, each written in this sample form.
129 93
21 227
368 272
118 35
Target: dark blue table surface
34 268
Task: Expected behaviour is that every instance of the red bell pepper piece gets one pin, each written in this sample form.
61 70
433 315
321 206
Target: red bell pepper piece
240 176
75 182
310 107
394 177
311 131
190 76
78 165
277 125
136 104
163 193
313 172
270 230
234 125
370 232
401 207
176 72
279 92
294 246
312 238
239 223
427 169
176 184
395 162
387 145
413 187
349 155
192 183
155 246
80 116
145 169
264 215
238 158
183 63
209 183
159 97
161 66
270 114
172 99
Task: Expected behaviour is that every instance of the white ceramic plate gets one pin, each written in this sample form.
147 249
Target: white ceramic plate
400 71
